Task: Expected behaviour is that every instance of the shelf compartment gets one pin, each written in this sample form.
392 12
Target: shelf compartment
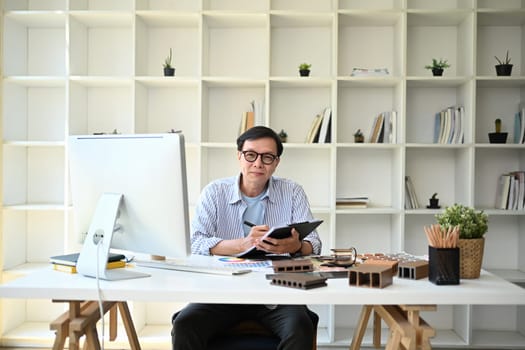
492 26
379 235
101 44
359 104
357 165
226 104
508 330
170 5
235 5
31 236
235 45
452 34
370 40
444 171
442 5
34 44
291 44
367 5
156 33
33 175
497 102
490 163
301 5
101 5
296 164
305 102
35 5
100 108
33 113
425 100
502 5
160 109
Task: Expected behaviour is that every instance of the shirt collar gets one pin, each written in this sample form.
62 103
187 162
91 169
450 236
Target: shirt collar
235 193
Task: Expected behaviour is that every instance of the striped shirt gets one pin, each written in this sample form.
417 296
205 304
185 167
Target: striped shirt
219 212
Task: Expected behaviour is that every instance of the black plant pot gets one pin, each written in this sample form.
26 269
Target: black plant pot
433 203
437 72
304 72
169 72
503 69
498 137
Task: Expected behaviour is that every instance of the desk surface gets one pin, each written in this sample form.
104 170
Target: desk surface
175 286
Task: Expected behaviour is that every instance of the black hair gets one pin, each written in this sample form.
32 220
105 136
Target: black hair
259 132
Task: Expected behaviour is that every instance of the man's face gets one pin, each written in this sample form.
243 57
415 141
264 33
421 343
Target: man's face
258 160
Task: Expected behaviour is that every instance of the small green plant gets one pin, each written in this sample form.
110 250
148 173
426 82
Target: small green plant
497 124
167 61
305 66
503 62
472 223
434 196
358 133
438 64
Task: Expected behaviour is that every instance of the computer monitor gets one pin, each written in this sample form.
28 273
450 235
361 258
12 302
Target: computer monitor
128 192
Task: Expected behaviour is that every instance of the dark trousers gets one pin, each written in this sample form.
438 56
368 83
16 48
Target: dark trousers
194 325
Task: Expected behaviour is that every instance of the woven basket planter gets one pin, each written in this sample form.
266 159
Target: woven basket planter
470 257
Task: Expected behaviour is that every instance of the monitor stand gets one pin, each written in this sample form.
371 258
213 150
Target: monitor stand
93 257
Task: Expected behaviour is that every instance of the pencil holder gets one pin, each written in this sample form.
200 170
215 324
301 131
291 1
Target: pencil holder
443 265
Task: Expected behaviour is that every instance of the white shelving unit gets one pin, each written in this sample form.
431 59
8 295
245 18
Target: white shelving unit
84 66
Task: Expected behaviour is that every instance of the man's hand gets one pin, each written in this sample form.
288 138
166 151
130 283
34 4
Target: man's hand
280 246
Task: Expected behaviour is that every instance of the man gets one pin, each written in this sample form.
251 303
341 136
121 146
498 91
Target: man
219 228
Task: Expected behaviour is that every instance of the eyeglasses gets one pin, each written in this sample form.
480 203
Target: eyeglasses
266 158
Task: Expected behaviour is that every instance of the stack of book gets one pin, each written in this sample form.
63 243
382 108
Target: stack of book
384 128
411 201
352 202
321 128
68 262
510 194
449 125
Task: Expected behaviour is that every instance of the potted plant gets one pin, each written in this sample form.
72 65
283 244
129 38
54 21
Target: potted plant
473 224
169 71
498 136
503 68
433 202
304 69
438 66
359 137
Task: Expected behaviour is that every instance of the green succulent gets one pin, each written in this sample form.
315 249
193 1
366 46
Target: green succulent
438 64
473 223
304 66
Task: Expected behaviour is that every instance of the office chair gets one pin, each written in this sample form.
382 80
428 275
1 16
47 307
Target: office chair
251 335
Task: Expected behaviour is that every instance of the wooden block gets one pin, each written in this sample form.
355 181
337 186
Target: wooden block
393 264
298 280
413 269
296 265
373 276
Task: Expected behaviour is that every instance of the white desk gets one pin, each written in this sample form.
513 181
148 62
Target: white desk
172 286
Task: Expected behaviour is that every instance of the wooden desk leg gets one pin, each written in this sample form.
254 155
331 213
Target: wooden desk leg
61 324
113 323
377 330
74 312
361 327
423 330
128 325
92 341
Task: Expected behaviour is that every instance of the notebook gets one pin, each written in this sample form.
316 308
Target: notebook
281 231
